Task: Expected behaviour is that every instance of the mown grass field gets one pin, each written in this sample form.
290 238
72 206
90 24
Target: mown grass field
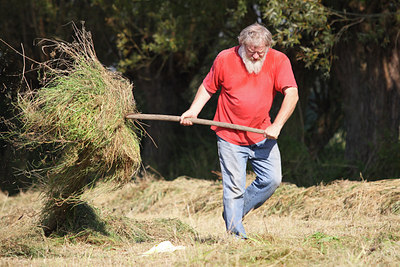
341 224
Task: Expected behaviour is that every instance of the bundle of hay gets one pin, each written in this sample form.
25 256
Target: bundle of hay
78 115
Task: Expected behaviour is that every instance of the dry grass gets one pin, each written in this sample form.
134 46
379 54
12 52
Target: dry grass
341 224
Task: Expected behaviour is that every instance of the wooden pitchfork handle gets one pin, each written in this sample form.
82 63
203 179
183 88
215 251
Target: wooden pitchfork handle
159 117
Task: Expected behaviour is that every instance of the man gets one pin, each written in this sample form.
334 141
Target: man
249 75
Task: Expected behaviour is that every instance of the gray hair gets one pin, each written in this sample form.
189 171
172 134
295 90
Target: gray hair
255 34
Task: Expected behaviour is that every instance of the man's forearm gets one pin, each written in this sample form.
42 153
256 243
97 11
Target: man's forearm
287 107
201 98
286 110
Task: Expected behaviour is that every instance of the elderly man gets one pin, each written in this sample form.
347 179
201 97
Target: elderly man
249 75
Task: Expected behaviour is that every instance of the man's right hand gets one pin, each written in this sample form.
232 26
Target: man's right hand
184 118
201 98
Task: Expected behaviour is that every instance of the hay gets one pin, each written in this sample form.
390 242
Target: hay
342 199
78 116
339 199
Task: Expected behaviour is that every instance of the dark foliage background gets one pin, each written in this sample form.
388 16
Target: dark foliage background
345 56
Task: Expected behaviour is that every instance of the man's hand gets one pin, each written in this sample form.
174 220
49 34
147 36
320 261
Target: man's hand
272 131
188 114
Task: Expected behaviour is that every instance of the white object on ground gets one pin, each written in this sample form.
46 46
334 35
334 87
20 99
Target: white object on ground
165 246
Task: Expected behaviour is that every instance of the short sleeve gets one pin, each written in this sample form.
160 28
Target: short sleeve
284 76
212 81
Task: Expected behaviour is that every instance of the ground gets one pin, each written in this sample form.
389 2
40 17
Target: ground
341 224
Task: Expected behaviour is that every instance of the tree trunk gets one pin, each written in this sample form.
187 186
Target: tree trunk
370 78
158 97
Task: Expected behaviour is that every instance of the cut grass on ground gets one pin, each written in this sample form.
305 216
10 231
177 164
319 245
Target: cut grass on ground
341 224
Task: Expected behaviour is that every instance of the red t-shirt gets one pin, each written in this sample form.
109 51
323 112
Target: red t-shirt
245 98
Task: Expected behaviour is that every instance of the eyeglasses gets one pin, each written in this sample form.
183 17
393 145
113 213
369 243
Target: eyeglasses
255 50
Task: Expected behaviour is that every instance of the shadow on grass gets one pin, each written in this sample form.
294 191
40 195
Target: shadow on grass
83 217
82 223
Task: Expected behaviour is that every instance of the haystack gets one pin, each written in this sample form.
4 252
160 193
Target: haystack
78 117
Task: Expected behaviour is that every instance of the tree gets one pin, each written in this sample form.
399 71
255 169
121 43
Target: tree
367 68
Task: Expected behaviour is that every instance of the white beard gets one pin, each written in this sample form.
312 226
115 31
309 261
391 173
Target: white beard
251 66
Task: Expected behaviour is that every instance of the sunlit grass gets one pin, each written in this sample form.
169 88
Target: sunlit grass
187 213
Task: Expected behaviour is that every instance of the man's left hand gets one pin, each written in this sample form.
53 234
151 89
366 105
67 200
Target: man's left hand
272 132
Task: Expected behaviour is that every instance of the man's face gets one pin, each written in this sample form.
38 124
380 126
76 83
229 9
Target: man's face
255 53
253 57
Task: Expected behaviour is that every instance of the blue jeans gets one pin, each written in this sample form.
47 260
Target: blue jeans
237 199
